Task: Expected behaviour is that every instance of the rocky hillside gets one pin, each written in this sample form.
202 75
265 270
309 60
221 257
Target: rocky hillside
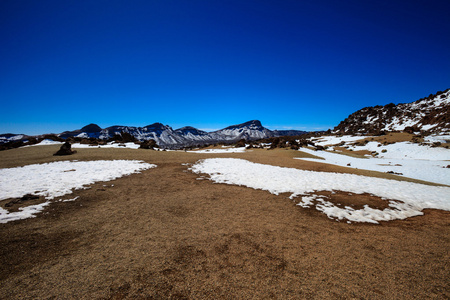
430 114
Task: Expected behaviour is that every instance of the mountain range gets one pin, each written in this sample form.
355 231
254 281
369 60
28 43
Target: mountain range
427 115
167 137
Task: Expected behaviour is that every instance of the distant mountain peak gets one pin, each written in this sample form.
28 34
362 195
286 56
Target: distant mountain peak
253 124
91 128
156 125
191 133
189 129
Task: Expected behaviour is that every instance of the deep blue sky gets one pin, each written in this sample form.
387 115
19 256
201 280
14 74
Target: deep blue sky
209 64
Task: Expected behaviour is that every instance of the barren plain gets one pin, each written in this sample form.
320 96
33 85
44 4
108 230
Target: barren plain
164 234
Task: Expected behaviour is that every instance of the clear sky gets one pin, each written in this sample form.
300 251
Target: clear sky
292 64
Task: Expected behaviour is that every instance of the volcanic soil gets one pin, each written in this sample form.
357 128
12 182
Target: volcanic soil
163 233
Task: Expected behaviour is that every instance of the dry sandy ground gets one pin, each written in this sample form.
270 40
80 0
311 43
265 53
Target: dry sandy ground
164 234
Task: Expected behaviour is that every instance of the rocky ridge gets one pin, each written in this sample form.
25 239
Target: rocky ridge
426 115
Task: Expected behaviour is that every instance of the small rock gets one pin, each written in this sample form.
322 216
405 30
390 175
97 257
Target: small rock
395 173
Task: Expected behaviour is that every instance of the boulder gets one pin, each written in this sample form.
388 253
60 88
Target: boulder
240 143
149 144
66 149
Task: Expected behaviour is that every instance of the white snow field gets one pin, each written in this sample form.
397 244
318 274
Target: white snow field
441 138
109 145
406 150
45 143
408 159
334 140
57 179
78 145
224 150
405 199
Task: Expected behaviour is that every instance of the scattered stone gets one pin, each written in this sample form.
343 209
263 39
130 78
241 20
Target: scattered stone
436 144
395 173
319 148
20 200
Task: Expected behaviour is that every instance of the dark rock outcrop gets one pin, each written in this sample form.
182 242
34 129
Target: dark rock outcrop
149 144
66 149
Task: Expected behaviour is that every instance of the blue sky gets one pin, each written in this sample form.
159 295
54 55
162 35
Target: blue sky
209 64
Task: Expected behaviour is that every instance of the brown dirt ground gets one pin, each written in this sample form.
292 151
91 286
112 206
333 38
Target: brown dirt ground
164 234
394 137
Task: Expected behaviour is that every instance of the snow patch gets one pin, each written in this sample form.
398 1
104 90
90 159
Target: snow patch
224 150
45 143
413 161
441 138
57 179
23 213
405 150
413 197
334 140
129 145
70 200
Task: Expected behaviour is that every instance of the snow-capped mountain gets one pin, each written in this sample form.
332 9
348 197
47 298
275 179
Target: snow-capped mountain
160 133
11 137
430 114
91 130
252 130
192 135
165 136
